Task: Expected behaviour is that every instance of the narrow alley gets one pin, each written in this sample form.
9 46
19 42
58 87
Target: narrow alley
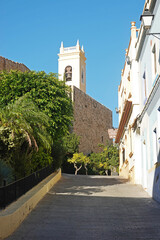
92 207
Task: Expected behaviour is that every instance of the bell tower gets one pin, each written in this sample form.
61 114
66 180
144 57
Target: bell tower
72 66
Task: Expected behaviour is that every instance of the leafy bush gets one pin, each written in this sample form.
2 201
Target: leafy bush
38 116
41 159
23 128
70 145
107 160
46 91
97 163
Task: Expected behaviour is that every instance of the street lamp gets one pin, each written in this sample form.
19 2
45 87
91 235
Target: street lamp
146 19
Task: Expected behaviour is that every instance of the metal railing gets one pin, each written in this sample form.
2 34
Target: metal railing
13 191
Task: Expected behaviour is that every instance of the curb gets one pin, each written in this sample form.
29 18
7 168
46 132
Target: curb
15 213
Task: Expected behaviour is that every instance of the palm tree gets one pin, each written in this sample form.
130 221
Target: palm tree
23 127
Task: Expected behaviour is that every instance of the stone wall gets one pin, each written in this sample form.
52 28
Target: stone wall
91 121
7 65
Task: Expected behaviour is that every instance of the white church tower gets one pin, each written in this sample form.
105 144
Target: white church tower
72 66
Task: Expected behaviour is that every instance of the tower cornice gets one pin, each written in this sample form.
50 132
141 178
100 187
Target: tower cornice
80 53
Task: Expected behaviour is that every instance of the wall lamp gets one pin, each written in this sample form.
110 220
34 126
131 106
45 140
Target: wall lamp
127 59
146 18
117 110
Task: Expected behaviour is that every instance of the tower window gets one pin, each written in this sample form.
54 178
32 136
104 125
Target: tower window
68 73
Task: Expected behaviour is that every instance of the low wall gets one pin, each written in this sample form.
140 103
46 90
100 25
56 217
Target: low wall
14 214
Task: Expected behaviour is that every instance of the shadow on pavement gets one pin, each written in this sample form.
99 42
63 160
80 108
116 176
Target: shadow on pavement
98 218
86 185
121 211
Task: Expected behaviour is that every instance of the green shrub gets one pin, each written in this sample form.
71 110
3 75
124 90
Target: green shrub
70 145
22 131
107 160
46 91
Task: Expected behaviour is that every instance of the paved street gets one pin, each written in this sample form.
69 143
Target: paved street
92 208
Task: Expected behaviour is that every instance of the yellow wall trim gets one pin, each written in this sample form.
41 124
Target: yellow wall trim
15 213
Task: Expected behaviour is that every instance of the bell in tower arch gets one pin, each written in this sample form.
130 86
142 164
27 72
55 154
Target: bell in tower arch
68 73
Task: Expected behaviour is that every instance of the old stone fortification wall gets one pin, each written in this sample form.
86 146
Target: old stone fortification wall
91 121
6 64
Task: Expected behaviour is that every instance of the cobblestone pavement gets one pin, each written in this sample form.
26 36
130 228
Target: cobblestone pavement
92 208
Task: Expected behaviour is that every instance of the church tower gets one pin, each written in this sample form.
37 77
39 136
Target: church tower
72 66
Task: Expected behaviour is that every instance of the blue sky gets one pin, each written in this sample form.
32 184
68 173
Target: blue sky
32 31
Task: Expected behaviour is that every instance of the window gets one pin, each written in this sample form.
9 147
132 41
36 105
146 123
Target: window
154 59
123 155
156 139
144 88
155 145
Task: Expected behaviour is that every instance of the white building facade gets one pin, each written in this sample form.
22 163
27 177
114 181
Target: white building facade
128 98
144 118
148 58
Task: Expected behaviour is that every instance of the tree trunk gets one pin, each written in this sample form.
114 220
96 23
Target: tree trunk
85 166
77 169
